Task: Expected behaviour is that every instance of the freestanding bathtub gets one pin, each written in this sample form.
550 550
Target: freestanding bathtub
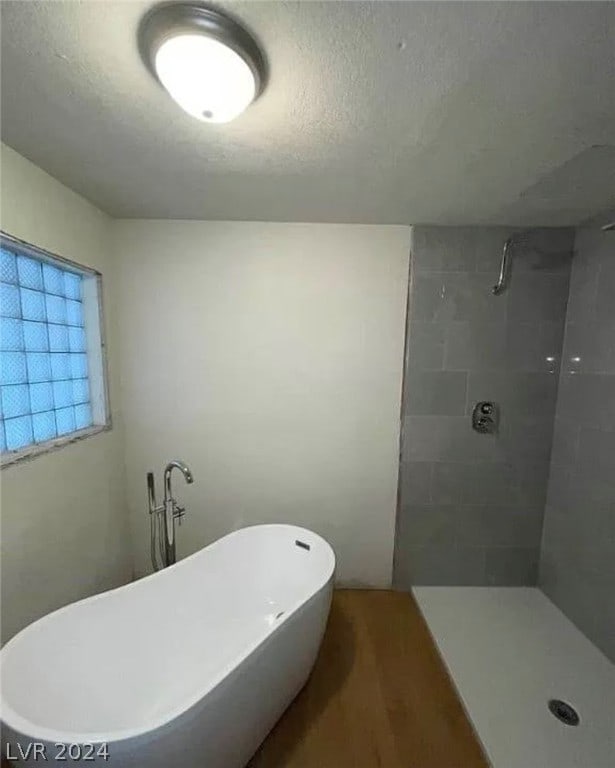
189 667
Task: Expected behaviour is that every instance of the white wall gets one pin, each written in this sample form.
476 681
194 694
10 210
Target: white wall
64 529
269 357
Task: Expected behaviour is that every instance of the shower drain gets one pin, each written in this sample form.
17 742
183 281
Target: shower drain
564 712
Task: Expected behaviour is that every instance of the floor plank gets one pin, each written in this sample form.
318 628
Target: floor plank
379 695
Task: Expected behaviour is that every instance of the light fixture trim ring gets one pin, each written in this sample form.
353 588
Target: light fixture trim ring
169 20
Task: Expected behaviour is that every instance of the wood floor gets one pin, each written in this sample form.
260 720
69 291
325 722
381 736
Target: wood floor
379 695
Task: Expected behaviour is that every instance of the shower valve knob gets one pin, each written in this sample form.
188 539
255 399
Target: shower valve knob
485 417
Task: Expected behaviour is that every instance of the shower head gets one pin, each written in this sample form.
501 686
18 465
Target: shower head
608 227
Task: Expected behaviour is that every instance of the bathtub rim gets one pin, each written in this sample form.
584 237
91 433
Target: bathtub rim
22 726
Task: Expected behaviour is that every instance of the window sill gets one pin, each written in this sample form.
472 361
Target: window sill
25 454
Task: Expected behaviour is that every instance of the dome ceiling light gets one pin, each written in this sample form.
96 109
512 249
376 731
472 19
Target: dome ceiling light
208 63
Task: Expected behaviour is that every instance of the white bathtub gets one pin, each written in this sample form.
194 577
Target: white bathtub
189 667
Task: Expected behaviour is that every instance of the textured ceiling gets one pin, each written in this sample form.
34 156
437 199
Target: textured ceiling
379 112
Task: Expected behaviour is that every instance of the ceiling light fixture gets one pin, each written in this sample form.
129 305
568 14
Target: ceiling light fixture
209 64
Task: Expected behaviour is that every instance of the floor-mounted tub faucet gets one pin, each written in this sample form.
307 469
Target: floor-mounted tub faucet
163 517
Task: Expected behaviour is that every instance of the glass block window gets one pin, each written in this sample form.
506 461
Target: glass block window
51 368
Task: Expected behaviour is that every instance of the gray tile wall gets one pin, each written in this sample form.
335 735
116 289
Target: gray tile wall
471 506
577 565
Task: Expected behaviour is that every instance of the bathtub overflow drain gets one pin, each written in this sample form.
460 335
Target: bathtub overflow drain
564 712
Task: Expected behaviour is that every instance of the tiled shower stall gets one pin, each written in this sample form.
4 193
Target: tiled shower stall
472 506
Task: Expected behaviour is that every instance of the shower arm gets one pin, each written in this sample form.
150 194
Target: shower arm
506 264
505 267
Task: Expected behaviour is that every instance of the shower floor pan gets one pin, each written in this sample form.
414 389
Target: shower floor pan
509 652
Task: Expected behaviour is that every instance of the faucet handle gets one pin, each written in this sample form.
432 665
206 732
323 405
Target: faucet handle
178 513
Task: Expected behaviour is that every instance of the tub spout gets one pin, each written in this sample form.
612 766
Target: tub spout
183 468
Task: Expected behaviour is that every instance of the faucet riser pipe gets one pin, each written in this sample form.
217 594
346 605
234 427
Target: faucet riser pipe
169 534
